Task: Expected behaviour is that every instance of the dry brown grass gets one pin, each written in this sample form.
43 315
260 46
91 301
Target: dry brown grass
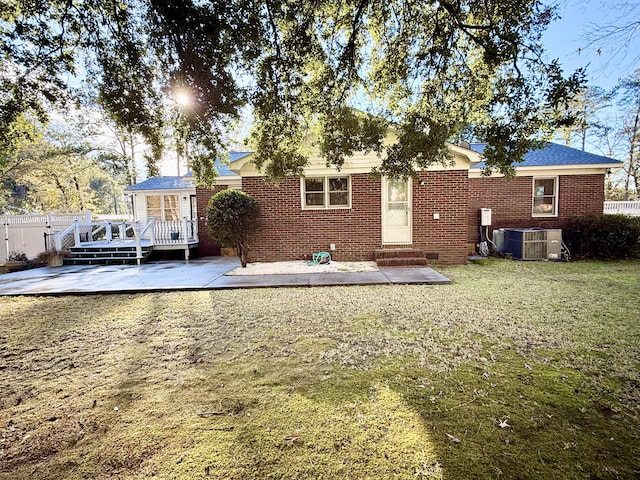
525 370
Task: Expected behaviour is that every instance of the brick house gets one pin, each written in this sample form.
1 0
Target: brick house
352 215
356 214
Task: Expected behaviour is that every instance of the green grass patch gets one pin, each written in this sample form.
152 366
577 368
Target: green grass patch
517 370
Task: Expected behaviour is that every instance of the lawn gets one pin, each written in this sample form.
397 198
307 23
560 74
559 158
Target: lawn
515 371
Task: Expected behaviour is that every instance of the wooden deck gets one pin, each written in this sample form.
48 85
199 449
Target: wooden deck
125 242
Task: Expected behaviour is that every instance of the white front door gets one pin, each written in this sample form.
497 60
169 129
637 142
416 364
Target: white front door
396 211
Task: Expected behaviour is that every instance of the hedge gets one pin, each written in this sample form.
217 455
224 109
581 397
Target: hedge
603 237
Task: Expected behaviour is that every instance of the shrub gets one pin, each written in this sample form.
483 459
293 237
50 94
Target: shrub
48 255
17 256
604 237
232 218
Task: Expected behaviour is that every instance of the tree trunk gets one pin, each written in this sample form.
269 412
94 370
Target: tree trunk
243 253
131 162
632 168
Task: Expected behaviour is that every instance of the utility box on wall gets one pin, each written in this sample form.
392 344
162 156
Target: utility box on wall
485 217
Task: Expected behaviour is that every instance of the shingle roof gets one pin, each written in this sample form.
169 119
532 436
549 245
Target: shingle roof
553 154
180 183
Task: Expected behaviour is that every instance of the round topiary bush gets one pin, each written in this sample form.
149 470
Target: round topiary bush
233 217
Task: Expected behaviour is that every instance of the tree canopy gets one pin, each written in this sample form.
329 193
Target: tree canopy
346 71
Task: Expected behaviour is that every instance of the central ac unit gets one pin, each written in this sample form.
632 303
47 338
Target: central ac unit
533 244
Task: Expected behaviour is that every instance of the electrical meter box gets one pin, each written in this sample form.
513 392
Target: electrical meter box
485 217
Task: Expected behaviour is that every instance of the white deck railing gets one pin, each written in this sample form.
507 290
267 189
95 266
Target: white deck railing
155 233
631 208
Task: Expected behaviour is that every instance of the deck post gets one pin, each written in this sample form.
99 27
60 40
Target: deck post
138 247
107 229
153 230
76 233
185 229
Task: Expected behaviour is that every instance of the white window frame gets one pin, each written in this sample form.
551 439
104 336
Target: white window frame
555 198
163 208
326 193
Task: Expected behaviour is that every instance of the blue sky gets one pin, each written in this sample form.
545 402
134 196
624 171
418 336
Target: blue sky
606 61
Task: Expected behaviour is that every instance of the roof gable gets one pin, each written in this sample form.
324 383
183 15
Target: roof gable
359 162
553 154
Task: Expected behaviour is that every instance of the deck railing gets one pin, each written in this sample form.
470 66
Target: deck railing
176 231
153 233
631 208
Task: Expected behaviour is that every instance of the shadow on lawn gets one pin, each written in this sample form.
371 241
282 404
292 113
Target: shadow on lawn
147 391
511 419
525 420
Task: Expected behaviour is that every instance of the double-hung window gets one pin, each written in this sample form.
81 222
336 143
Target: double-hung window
545 197
326 192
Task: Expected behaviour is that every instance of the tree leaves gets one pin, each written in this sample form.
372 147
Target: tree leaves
428 69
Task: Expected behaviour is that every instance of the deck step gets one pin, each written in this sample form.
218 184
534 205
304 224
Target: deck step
105 255
102 249
101 261
400 257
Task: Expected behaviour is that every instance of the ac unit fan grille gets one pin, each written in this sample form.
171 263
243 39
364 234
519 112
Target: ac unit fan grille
534 250
535 236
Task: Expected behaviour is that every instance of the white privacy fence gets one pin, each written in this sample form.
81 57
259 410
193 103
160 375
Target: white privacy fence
26 233
631 208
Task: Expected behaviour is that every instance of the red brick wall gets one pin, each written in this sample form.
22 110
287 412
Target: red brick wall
510 202
445 193
207 246
290 233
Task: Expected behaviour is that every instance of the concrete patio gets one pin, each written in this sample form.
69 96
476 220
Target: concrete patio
200 274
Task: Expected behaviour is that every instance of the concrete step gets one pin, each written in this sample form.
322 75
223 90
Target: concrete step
402 262
398 253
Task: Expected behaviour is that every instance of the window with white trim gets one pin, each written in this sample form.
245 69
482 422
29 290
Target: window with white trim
326 192
163 207
545 197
